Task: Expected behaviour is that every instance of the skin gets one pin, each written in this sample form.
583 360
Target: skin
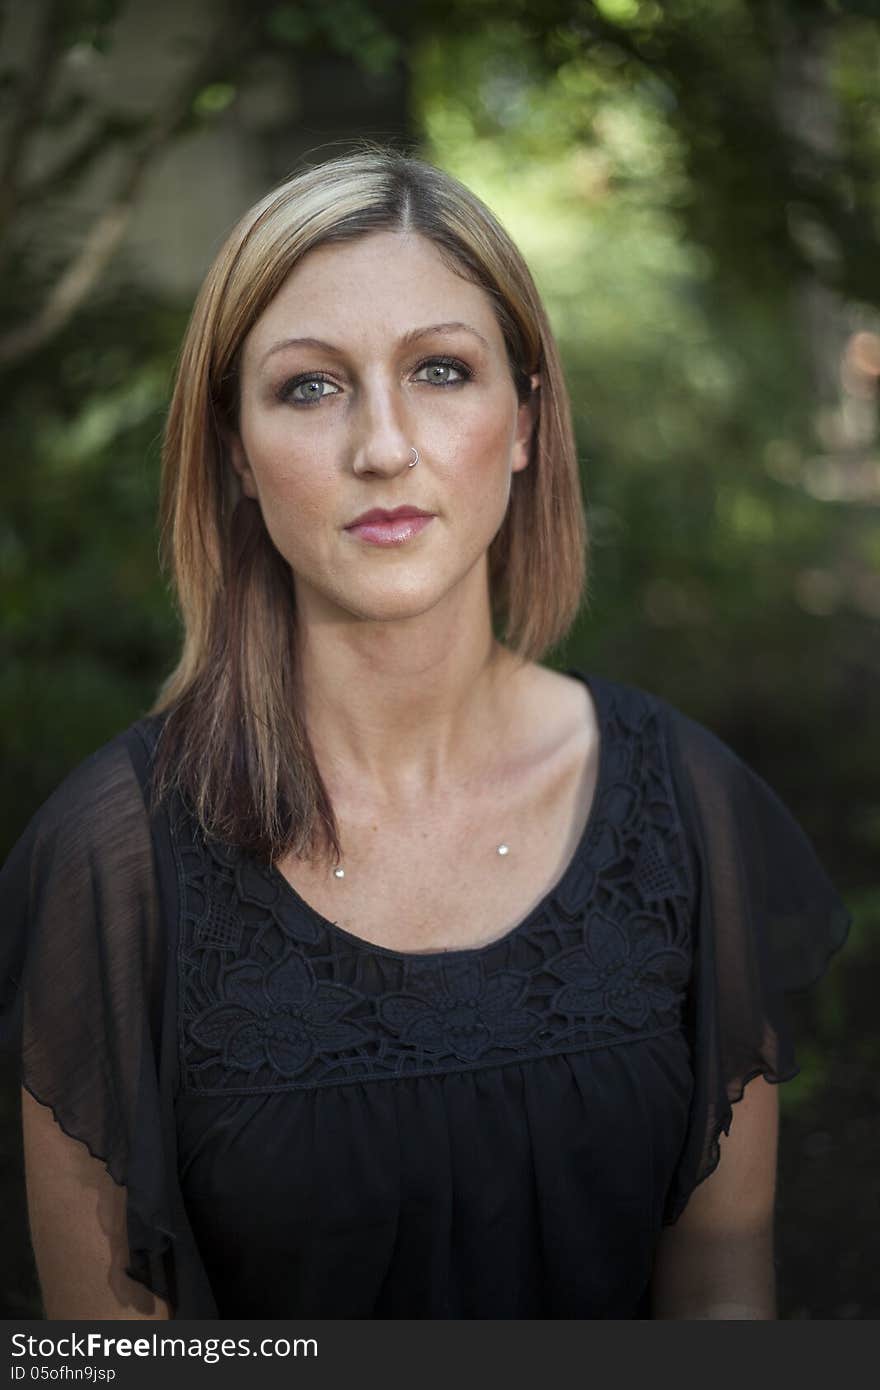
717 1261
407 695
404 685
77 1218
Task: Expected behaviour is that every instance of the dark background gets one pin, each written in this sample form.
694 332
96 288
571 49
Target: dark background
696 186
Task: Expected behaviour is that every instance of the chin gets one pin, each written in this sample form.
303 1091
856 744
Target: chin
374 602
364 593
396 609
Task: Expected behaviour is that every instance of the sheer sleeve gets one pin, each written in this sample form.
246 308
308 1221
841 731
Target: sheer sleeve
83 961
766 921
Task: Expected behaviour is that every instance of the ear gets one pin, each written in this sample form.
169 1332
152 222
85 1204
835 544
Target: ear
526 419
239 461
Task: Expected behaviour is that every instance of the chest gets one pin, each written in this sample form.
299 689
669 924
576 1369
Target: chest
274 997
433 879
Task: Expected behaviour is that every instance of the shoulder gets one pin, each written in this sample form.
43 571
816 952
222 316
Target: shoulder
699 766
83 869
723 802
686 734
100 796
617 710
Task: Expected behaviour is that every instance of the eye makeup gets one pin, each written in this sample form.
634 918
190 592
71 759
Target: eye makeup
286 389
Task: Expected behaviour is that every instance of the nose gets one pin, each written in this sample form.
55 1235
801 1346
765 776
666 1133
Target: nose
383 446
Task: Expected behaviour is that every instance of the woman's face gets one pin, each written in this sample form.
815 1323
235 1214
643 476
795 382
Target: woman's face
370 348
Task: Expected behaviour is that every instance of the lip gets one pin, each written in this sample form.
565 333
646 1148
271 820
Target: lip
394 530
381 514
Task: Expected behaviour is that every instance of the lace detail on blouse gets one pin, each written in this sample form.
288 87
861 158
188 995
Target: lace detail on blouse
273 996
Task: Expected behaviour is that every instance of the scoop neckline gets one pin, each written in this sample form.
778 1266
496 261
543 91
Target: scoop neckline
596 687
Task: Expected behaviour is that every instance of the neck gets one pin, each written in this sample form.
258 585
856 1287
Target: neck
403 710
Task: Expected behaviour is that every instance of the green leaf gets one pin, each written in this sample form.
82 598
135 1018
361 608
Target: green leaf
213 99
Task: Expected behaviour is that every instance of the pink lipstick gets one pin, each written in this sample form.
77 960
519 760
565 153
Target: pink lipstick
381 527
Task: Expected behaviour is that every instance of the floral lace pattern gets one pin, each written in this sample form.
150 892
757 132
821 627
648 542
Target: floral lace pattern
622 974
278 1015
273 996
462 1010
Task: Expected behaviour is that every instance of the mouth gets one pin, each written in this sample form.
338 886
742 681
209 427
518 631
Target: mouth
390 528
382 527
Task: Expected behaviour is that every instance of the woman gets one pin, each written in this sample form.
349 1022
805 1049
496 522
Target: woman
426 983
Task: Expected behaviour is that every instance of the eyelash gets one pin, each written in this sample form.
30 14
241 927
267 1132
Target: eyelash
286 391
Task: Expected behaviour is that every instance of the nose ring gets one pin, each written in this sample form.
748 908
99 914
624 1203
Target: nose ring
416 459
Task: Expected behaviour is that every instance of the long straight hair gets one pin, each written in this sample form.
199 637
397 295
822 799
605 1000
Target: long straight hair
233 740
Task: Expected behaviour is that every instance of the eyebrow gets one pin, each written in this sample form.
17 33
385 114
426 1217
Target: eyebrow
404 341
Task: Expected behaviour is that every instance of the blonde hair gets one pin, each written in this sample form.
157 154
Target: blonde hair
233 741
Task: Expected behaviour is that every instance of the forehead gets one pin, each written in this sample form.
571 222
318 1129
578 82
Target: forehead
369 291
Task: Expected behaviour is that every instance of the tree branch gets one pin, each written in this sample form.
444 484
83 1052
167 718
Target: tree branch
77 161
105 235
71 289
39 70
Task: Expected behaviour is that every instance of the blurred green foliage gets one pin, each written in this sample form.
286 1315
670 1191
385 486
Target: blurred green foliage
688 182
642 159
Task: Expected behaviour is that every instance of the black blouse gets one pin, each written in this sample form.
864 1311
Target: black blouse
309 1125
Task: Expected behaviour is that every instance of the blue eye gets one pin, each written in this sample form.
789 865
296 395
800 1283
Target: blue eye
289 389
446 364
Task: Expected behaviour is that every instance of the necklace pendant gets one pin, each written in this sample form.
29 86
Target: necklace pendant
339 873
503 849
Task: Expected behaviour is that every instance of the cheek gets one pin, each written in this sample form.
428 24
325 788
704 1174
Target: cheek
483 438
478 461
293 480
